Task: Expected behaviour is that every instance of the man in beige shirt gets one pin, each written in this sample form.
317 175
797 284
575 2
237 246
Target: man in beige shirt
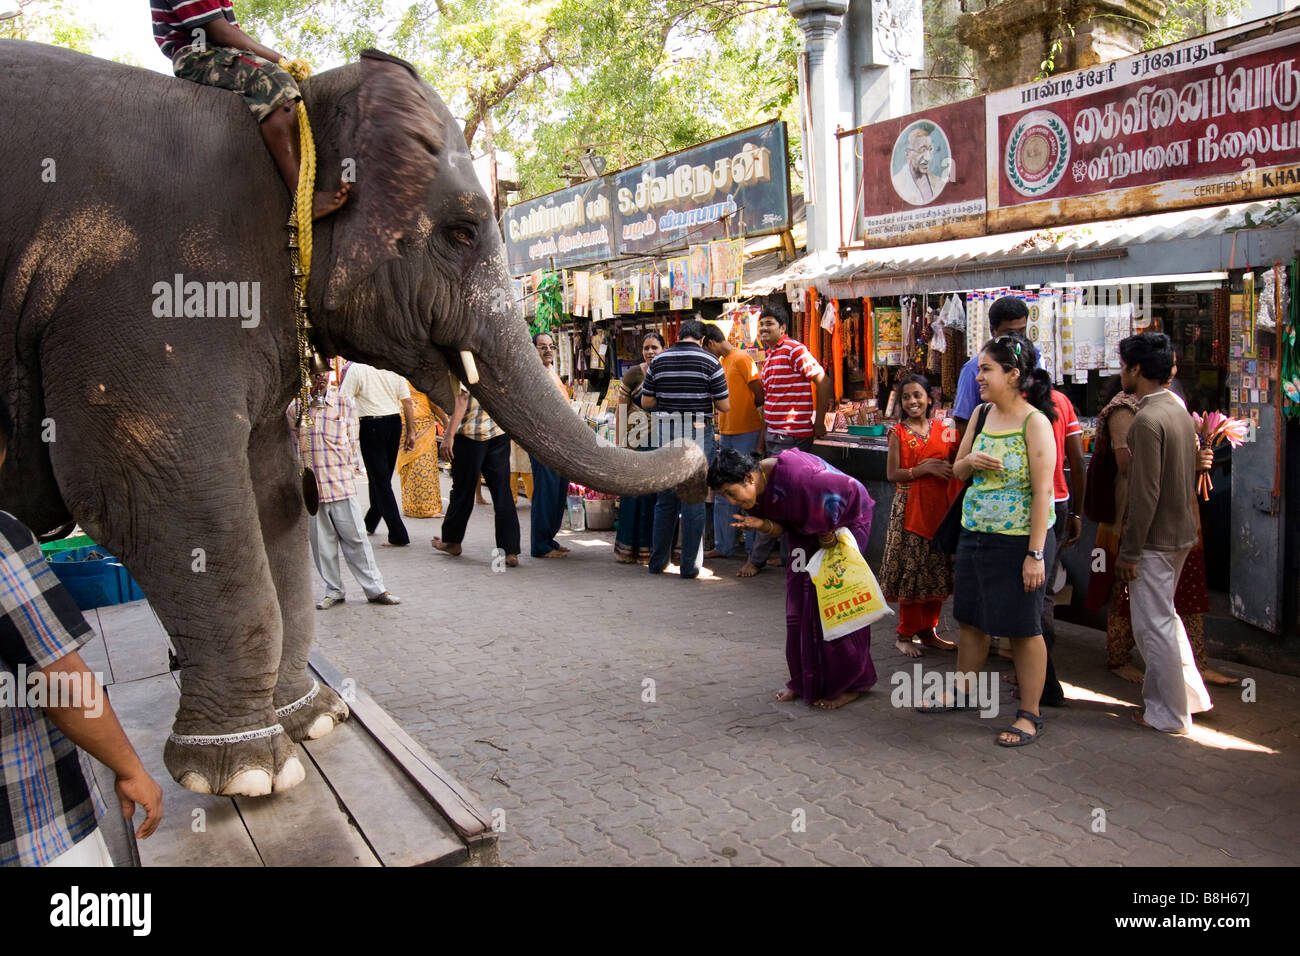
1159 531
382 399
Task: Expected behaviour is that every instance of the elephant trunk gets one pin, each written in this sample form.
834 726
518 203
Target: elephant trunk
522 398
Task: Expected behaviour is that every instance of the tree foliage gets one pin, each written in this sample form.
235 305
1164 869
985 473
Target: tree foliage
544 79
48 21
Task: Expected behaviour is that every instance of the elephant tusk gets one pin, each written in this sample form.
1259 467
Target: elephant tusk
471 370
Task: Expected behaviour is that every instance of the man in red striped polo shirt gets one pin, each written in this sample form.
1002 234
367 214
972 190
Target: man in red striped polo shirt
791 418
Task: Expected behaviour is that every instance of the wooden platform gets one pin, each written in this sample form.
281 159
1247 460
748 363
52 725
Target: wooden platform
372 797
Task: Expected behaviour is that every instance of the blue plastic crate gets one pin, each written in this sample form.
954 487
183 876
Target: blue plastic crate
93 582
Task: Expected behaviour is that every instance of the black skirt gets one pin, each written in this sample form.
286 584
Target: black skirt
989 584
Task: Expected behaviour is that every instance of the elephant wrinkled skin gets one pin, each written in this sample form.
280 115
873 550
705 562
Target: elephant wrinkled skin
165 436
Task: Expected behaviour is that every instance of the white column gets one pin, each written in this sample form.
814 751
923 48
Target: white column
820 21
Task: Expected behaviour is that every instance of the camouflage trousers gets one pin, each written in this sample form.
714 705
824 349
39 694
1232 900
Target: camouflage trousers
264 86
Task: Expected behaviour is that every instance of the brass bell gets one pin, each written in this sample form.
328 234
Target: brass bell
319 364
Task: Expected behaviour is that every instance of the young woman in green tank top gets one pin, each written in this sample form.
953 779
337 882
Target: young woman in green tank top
1006 516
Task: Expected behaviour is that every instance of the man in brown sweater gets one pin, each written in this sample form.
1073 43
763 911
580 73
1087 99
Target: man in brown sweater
1159 531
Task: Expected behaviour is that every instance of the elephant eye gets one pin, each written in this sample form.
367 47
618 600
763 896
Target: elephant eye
463 235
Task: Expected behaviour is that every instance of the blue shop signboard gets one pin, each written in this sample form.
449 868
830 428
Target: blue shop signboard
566 228
736 185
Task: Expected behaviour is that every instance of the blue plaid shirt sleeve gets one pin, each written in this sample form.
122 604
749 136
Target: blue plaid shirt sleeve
39 621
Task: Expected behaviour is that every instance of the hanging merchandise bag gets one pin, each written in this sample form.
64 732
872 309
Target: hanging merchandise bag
848 597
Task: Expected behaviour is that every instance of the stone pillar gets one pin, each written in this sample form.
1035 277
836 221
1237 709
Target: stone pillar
820 22
1011 39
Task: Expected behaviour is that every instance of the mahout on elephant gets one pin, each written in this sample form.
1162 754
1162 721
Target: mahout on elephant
170 444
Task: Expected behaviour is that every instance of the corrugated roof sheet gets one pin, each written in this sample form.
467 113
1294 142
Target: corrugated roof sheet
949 261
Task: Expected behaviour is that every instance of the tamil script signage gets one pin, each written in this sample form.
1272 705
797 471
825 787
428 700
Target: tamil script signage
566 228
924 176
1180 126
1201 123
737 185
739 182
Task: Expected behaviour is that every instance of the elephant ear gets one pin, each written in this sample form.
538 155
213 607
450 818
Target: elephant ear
400 142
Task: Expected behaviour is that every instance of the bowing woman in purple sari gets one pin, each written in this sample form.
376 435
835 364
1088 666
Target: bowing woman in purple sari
802 496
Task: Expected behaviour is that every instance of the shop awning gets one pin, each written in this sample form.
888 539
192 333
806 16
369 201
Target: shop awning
1176 243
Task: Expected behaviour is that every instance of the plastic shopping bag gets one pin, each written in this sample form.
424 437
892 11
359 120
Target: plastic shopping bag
848 596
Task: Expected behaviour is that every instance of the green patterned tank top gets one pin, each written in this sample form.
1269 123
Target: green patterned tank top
998 502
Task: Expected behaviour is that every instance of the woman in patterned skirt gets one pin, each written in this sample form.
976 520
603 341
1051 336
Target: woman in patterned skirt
418 468
918 578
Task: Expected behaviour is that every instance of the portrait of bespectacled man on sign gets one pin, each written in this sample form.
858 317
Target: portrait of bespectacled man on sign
921 163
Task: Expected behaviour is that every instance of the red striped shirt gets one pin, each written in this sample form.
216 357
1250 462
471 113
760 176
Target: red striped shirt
788 406
175 20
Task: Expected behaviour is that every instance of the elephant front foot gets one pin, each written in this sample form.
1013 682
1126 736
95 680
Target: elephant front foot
314 714
249 764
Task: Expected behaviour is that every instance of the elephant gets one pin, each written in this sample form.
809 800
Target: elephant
163 432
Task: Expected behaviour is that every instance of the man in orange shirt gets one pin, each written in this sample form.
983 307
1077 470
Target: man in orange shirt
740 428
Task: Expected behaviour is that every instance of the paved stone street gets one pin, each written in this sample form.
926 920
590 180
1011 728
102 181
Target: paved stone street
530 685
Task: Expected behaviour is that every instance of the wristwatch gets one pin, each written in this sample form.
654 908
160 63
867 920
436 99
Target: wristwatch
1036 555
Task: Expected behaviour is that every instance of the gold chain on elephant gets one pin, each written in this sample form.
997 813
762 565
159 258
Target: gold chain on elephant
300 239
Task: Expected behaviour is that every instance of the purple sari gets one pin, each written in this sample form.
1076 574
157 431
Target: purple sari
810 498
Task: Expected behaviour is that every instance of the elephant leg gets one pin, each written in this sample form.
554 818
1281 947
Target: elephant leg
178 509
306 708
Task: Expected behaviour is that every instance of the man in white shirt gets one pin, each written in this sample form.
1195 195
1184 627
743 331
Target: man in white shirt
382 400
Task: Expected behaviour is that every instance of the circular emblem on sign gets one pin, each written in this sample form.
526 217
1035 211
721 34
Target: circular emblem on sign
1038 153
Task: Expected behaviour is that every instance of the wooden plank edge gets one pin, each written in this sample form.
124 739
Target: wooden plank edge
460 808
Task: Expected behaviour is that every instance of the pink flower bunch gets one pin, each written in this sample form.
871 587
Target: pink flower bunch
1212 429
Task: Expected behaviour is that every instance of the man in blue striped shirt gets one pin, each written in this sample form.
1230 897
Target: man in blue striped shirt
683 385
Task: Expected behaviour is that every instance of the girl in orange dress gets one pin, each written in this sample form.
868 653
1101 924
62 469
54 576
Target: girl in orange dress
918 578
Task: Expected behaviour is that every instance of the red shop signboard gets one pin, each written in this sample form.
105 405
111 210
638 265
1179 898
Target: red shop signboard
923 176
1175 127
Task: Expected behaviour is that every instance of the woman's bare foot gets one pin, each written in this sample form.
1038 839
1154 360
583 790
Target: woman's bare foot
837 703
1211 676
747 570
907 648
1129 673
445 548
931 638
324 202
785 695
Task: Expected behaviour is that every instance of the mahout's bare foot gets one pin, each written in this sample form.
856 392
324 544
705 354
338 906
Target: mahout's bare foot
785 695
324 202
1211 676
1129 673
747 570
907 648
445 548
838 702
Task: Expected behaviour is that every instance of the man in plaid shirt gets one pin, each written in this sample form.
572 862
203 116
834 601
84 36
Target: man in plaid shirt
331 447
48 801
